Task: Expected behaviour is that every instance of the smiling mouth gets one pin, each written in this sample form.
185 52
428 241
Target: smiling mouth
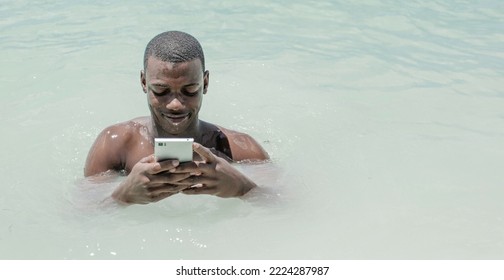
175 118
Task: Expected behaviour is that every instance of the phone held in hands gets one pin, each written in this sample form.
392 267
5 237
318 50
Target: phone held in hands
173 148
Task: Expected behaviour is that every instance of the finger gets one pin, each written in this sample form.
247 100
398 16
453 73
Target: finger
194 180
166 189
187 167
169 164
147 165
148 159
200 190
162 166
168 178
205 153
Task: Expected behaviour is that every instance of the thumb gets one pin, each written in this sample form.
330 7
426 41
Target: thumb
150 164
148 159
205 153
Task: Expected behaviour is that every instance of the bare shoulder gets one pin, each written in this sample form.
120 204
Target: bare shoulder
128 130
243 146
110 149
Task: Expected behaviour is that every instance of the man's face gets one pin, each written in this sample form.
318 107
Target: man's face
174 93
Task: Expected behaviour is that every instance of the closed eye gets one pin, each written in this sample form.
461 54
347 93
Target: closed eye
190 93
191 90
159 93
160 90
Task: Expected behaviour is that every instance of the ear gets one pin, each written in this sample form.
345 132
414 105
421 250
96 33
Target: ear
206 78
142 81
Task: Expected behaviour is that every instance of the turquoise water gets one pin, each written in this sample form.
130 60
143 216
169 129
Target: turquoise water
384 120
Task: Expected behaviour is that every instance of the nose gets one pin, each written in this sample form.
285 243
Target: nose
175 105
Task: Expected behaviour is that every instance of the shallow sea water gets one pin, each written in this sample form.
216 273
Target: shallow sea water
384 121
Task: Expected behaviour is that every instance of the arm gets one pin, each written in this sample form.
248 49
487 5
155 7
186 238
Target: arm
105 154
148 180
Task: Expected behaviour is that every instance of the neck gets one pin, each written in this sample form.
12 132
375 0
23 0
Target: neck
193 131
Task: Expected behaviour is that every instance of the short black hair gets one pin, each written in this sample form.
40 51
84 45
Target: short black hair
175 47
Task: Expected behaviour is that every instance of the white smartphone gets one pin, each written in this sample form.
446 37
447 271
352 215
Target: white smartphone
173 148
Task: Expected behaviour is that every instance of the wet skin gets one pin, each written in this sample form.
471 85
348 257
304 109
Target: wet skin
174 94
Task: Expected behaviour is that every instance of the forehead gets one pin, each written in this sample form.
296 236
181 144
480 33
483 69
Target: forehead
156 68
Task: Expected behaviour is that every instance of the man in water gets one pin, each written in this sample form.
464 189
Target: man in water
174 80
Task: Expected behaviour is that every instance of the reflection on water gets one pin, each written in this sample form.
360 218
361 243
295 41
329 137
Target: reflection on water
383 119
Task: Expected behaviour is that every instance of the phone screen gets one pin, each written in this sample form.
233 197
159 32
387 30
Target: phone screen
173 148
